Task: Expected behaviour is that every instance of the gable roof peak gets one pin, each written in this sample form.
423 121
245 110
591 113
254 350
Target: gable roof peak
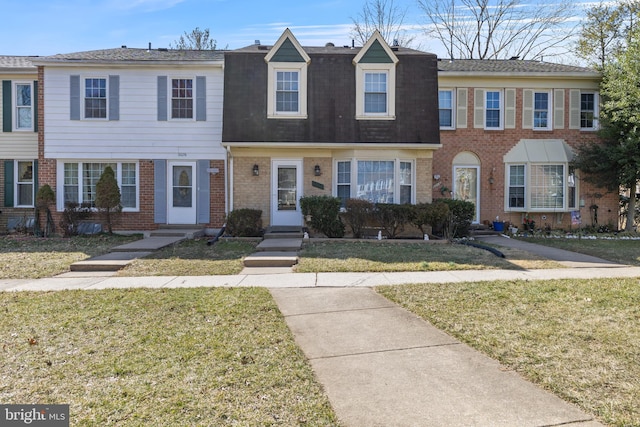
287 38
376 41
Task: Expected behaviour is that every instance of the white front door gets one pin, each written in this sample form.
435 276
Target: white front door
286 190
182 193
466 186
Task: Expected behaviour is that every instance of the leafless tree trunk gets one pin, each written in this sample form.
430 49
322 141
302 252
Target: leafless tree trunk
384 16
499 29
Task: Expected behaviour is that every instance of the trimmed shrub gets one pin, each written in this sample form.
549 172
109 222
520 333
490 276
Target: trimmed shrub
460 216
433 214
245 223
108 197
324 213
44 198
72 215
392 218
358 214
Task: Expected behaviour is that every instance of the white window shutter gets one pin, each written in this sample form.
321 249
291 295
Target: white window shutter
510 108
527 109
558 109
478 108
574 109
461 108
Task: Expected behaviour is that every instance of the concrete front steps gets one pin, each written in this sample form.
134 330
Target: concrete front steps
278 249
122 255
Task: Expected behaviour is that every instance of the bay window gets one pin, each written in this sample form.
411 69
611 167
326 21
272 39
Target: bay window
378 181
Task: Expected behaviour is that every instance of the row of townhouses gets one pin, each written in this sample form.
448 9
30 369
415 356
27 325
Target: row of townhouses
193 135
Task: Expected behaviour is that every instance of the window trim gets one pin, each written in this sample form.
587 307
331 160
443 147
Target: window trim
170 98
15 106
273 69
368 68
501 109
17 183
80 163
528 176
83 96
397 186
596 104
550 110
453 108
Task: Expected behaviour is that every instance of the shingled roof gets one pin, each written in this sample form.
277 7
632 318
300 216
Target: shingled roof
509 66
125 54
17 63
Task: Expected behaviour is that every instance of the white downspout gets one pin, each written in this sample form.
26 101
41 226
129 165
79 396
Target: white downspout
228 184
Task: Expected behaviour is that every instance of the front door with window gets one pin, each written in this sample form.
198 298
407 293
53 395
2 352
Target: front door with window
286 190
466 187
182 193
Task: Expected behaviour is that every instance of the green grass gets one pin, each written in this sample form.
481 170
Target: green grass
387 256
577 338
28 257
616 250
145 357
193 258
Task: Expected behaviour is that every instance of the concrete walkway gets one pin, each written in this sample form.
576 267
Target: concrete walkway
383 366
379 364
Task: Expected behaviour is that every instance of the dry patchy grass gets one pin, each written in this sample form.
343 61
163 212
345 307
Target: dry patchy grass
578 338
388 256
145 357
193 258
622 251
29 257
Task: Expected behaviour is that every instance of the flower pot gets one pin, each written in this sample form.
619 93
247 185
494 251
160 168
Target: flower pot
498 225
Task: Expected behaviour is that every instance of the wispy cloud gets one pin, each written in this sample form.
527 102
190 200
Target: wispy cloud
143 5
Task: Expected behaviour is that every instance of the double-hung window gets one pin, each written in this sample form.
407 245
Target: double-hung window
588 105
378 181
541 116
95 98
375 93
493 110
79 181
516 186
182 98
445 105
24 183
24 106
287 92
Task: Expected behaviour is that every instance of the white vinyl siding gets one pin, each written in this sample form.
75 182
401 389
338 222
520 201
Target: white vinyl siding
104 139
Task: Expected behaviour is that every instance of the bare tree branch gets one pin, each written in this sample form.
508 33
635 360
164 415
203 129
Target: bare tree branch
494 29
384 16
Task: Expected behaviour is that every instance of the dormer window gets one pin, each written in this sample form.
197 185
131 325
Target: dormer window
375 80
287 79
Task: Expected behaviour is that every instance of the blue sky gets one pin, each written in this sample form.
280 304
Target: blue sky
47 27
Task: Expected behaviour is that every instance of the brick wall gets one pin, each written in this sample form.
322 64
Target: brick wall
491 146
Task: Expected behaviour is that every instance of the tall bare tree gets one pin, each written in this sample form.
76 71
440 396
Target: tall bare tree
386 17
499 29
197 39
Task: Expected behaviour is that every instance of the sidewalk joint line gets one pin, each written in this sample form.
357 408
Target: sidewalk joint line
391 350
340 311
568 423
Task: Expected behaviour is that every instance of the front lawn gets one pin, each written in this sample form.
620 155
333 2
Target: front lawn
387 256
28 257
622 251
577 338
169 357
